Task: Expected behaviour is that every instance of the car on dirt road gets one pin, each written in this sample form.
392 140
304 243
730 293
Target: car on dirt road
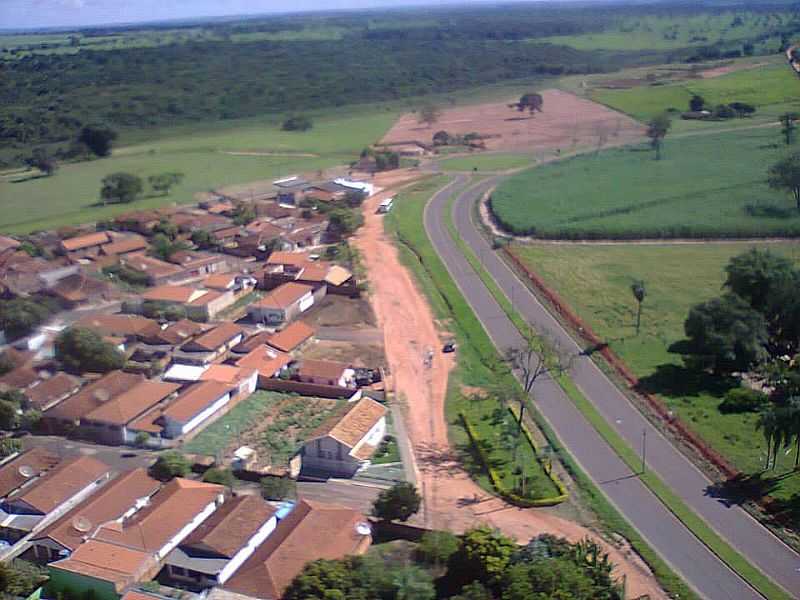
449 347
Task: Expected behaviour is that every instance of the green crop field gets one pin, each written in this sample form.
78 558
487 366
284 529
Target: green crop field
710 185
657 32
487 162
70 196
595 281
766 87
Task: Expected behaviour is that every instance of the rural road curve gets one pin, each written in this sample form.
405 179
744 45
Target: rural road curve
668 536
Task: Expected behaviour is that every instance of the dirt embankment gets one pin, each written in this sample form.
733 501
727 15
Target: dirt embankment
452 500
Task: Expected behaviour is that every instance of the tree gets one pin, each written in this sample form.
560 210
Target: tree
9 446
436 547
220 476
278 488
413 583
168 228
244 214
164 182
163 247
321 577
756 276
343 222
142 439
785 175
9 418
399 502
18 317
170 464
428 114
441 138
297 123
203 239
484 555
41 160
657 130
530 102
726 334
639 292
120 188
97 139
697 103
474 591
788 127
84 350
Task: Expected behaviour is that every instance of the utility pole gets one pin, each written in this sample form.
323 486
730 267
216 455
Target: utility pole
644 450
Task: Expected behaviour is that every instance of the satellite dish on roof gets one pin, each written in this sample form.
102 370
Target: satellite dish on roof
363 528
27 471
102 395
81 524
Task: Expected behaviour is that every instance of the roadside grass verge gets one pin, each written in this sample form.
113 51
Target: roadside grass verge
487 162
705 186
475 352
686 515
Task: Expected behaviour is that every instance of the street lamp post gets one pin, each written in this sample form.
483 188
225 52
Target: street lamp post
644 450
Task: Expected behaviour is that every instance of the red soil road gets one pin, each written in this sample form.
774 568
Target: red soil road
451 499
566 121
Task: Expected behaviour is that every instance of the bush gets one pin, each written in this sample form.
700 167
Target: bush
278 488
297 123
220 477
170 464
743 400
399 502
436 547
81 350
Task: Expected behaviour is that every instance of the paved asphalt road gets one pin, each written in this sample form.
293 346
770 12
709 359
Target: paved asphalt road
698 565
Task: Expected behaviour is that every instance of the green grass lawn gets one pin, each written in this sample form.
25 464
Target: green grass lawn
70 196
487 162
764 87
705 185
655 32
595 281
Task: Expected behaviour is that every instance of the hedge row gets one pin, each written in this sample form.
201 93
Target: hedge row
498 486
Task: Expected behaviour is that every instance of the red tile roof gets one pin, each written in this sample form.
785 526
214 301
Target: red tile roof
131 243
195 399
291 337
226 374
119 325
151 266
173 293
20 469
284 295
295 259
108 503
213 339
310 532
51 390
265 360
122 409
108 562
352 423
323 369
94 395
85 241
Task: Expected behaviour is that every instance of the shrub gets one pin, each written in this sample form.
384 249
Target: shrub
220 477
297 123
278 488
170 464
436 547
399 502
743 400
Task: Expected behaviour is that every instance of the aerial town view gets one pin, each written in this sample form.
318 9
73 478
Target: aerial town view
419 300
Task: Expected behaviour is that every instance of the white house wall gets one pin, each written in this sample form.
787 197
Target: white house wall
188 528
205 414
244 553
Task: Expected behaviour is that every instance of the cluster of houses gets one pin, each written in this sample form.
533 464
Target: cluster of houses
103 534
201 328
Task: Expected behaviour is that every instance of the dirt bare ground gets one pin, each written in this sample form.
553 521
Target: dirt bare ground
566 121
452 500
725 69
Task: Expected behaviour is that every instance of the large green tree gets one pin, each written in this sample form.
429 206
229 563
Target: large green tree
18 317
397 503
170 464
757 275
121 188
84 350
785 175
657 130
164 182
98 139
726 334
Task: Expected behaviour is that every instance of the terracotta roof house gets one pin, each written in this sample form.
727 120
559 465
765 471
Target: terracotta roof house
196 405
122 552
290 261
200 305
326 372
213 551
211 346
268 362
291 337
311 531
283 304
142 221
244 378
158 272
50 495
172 294
129 327
344 443
24 468
66 416
188 222
19 378
124 245
80 288
46 394
198 264
7 243
175 333
85 245
230 282
256 340
123 494
108 423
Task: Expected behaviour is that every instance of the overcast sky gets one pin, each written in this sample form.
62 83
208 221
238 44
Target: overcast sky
76 13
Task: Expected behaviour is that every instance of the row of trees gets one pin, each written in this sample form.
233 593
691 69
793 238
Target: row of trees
122 188
481 564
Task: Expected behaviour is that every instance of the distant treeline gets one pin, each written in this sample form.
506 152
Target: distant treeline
46 99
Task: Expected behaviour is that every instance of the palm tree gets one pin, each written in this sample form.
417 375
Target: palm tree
781 427
791 418
768 424
639 292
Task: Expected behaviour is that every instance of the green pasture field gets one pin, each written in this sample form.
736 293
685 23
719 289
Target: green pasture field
487 162
710 185
656 32
595 281
765 87
71 195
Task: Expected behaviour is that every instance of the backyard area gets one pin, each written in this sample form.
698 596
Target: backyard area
595 281
271 423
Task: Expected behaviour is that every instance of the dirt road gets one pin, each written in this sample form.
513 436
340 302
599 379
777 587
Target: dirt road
452 500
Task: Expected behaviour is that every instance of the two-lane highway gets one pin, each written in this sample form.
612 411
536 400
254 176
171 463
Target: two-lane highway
696 563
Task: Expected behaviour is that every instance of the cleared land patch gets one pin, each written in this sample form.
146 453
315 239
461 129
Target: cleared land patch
704 186
487 162
595 281
566 121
